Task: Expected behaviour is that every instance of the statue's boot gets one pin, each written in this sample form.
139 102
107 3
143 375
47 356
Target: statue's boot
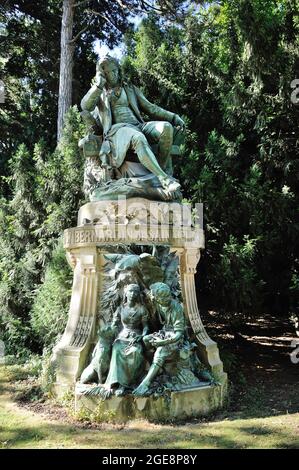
170 184
141 391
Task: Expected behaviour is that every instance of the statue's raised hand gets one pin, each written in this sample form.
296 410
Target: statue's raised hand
178 122
100 80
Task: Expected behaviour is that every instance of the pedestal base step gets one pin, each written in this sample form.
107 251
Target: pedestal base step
190 403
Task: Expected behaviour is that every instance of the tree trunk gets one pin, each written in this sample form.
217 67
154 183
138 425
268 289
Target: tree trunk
66 64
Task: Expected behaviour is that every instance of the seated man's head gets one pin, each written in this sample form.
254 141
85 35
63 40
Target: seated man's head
109 67
161 293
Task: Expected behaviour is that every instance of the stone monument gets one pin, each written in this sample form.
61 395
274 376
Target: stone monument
134 341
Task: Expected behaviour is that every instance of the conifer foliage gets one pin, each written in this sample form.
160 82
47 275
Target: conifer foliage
227 67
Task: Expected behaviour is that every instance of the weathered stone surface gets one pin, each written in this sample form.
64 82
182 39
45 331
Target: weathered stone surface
180 405
135 210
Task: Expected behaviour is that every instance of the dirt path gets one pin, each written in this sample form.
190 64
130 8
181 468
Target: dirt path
261 349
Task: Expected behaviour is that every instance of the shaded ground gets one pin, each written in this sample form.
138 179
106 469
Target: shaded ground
263 409
265 380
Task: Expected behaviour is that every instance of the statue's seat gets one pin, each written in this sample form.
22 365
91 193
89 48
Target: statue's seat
90 145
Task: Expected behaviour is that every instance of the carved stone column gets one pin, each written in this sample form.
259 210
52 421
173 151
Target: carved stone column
189 258
71 352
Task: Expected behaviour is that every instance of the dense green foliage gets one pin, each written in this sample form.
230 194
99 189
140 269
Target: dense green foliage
40 191
30 59
55 292
46 195
227 70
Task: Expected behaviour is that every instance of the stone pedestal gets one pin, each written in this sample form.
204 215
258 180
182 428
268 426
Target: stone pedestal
182 405
107 224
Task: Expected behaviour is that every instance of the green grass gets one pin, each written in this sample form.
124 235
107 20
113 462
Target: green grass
22 428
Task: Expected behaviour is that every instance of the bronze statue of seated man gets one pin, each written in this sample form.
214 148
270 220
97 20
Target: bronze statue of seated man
115 106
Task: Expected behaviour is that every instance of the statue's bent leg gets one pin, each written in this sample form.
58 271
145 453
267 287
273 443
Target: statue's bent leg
146 156
148 159
162 133
155 368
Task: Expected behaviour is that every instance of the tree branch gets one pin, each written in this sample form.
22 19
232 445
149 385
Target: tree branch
146 6
103 16
78 35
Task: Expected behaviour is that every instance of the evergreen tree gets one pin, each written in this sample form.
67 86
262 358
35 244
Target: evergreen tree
229 72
